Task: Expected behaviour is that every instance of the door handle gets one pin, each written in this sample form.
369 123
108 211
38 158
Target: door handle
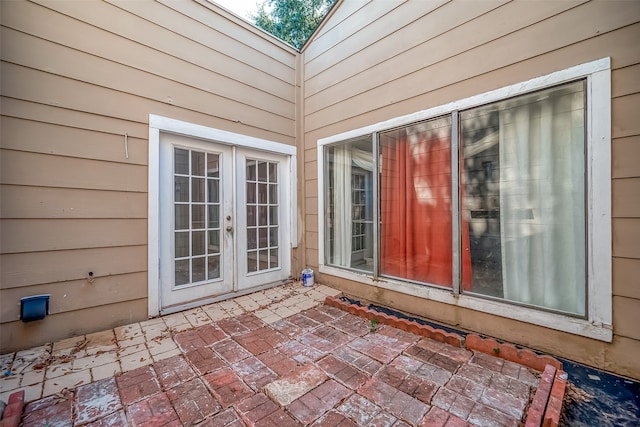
229 228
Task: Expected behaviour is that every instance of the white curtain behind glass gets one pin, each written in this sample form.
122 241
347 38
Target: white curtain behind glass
542 211
342 206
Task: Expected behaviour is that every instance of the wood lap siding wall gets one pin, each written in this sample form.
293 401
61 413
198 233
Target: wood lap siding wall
77 77
373 61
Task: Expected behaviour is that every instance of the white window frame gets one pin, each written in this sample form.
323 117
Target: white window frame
158 124
598 324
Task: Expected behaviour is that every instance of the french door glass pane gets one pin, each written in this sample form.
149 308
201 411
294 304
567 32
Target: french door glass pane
197 216
524 198
262 215
415 202
349 204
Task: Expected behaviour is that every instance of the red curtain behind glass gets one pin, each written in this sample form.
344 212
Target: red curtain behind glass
416 211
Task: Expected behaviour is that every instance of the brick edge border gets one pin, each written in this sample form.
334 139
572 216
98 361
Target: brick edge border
13 412
547 402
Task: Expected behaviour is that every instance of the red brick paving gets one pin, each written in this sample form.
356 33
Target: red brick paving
205 360
155 411
52 410
96 400
388 377
227 387
318 401
259 410
137 385
173 371
193 402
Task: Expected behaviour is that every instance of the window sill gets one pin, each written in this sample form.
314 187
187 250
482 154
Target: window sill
582 327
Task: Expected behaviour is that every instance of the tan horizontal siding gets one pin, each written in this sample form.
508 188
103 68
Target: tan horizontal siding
46 138
35 169
76 295
626 317
38 86
625 81
625 277
626 197
435 37
339 14
36 268
164 76
626 152
397 40
339 35
35 112
149 33
50 202
625 116
257 40
34 235
619 45
381 86
18 335
218 33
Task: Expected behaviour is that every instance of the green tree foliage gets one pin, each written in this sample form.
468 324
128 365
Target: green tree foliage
291 20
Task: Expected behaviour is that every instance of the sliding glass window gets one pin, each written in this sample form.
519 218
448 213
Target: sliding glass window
520 222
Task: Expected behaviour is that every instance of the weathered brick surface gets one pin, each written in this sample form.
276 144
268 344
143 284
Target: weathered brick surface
227 387
343 372
240 324
485 415
193 402
301 353
437 417
364 412
395 401
231 351
303 322
380 347
319 316
352 325
189 341
210 334
291 387
226 418
117 419
278 362
357 359
259 410
173 371
204 360
254 373
334 419
261 340
538 405
96 400
554 406
325 339
321 367
137 385
154 411
315 403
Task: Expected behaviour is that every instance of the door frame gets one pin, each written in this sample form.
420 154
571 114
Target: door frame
160 124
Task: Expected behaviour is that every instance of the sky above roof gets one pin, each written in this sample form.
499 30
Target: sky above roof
243 8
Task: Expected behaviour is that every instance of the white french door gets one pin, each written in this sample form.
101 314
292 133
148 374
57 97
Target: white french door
223 219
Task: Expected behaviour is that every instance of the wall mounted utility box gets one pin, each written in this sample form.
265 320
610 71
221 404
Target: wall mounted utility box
34 308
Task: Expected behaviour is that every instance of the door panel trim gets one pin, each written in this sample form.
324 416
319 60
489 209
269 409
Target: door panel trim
158 124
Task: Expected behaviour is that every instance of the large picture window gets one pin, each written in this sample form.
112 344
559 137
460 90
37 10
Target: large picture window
524 200
490 199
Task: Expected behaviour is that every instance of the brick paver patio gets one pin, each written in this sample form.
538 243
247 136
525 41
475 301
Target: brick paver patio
240 363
